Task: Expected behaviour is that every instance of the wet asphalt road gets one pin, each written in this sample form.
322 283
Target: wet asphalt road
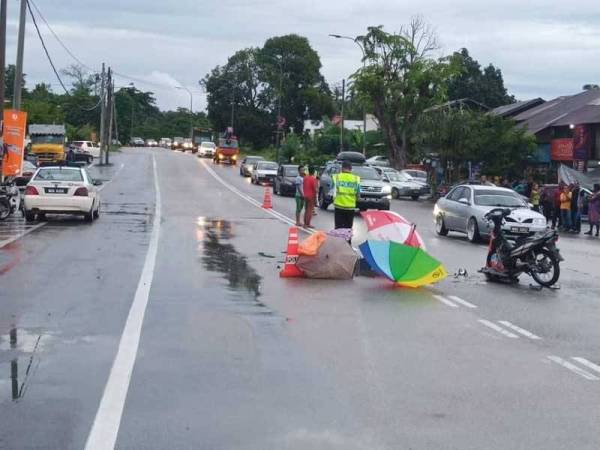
232 356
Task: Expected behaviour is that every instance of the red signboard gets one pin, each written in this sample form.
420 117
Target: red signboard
14 140
562 149
582 142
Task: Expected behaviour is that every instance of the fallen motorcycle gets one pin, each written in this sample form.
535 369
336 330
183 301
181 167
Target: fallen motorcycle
10 200
536 256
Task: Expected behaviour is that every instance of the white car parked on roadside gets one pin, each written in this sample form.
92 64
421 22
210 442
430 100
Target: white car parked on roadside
93 148
62 190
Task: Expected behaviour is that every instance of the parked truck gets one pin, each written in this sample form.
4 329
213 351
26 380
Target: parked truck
47 143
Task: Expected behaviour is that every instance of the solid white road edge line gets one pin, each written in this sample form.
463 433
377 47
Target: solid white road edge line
18 236
519 330
251 200
445 301
461 301
105 428
573 368
498 328
587 363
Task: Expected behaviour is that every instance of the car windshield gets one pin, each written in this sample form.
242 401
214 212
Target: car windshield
366 173
497 198
396 176
417 174
208 145
291 171
47 139
267 166
253 159
59 174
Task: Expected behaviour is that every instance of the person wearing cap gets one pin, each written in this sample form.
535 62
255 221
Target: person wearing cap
346 188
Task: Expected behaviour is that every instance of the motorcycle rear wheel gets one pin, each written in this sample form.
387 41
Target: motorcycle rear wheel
546 270
5 208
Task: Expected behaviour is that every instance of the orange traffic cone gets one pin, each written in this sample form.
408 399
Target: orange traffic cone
267 199
290 270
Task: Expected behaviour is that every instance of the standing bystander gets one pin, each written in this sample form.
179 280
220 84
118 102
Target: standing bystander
310 197
299 195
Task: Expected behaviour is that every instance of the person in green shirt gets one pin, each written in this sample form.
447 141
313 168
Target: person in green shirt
346 188
535 197
299 195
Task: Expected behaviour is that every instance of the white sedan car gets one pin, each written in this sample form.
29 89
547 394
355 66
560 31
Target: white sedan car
207 149
62 190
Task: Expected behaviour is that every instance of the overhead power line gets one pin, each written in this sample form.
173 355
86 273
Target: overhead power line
59 40
45 49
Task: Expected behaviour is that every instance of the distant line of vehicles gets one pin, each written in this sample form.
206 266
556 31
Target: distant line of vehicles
379 184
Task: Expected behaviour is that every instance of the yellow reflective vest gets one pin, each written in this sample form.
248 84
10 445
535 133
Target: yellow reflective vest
346 187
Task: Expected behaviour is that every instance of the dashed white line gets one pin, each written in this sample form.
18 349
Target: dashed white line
105 428
456 299
498 328
588 364
445 301
573 368
519 330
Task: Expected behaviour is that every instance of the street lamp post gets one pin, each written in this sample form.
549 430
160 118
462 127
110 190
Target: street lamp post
191 109
339 36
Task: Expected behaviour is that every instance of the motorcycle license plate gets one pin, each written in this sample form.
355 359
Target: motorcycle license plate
519 229
56 190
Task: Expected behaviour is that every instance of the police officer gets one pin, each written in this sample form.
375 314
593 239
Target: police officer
345 190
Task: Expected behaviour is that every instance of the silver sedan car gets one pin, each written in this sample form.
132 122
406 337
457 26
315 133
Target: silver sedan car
463 209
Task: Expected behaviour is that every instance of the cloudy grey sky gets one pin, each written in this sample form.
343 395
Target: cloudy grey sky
544 47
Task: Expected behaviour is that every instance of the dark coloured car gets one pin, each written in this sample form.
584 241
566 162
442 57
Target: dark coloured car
284 182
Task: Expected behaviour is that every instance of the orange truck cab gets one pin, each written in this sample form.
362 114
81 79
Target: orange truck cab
228 151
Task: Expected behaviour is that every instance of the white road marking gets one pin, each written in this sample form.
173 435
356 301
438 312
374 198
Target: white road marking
20 234
588 364
573 368
456 299
445 301
105 428
519 330
251 200
498 328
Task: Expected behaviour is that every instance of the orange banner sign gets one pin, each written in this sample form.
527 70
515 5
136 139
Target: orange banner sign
14 140
562 149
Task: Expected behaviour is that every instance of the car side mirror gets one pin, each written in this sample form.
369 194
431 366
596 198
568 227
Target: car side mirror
97 183
464 201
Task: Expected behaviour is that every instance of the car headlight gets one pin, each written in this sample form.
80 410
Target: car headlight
250 169
234 157
221 156
540 221
387 190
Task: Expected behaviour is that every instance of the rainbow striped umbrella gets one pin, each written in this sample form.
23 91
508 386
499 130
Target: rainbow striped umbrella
404 265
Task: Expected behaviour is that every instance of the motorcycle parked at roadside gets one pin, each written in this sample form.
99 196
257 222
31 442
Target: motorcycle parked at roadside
536 256
10 200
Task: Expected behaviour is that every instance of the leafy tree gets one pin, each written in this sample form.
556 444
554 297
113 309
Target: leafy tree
400 81
461 135
236 92
9 83
291 69
485 85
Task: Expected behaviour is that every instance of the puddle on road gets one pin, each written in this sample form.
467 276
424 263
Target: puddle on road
222 257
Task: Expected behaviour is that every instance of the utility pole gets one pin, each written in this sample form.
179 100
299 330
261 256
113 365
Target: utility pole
20 49
279 121
102 112
2 55
114 112
342 115
109 109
